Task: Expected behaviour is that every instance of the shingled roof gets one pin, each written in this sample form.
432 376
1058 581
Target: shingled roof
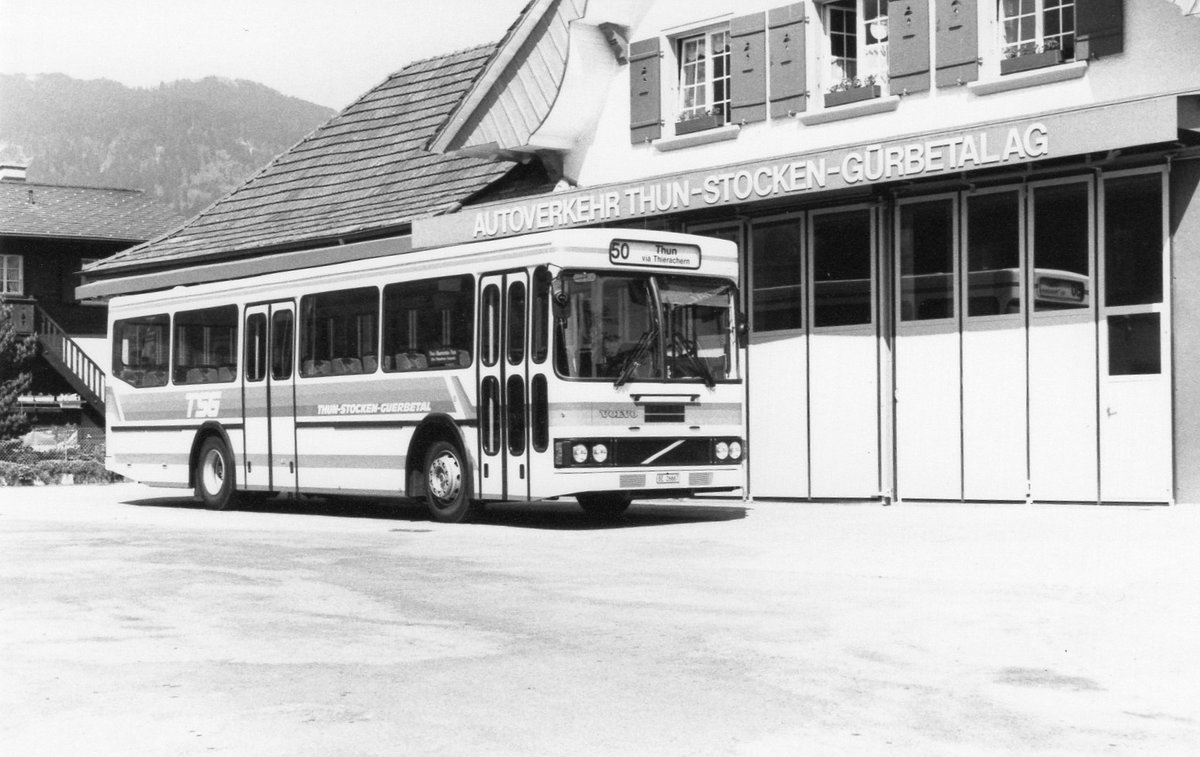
51 210
364 173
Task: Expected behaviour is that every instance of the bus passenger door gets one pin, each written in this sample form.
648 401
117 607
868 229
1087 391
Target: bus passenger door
503 391
281 382
269 463
256 459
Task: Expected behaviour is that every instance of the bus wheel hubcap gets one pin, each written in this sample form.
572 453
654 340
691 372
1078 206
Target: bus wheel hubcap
445 478
214 472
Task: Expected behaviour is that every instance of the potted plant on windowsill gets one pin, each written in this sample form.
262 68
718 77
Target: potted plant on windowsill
852 90
695 121
1029 56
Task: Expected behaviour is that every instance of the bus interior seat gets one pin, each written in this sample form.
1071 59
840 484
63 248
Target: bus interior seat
410 361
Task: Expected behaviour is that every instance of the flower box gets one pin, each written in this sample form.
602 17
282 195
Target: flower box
699 123
851 95
1030 61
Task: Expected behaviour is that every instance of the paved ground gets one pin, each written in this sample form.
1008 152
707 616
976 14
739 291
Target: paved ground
132 622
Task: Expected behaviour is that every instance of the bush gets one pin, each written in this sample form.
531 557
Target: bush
16 474
22 466
84 471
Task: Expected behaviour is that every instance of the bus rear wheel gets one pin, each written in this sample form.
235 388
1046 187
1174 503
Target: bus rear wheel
214 474
446 484
604 504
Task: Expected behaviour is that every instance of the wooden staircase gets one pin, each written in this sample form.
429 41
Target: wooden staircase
61 351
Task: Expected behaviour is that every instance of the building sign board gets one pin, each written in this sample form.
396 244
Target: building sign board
989 146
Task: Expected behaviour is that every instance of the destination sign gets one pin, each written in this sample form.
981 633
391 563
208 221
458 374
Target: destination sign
653 254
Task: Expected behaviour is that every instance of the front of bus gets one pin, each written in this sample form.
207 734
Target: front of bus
649 395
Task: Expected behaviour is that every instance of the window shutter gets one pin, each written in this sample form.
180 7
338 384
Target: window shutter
1099 28
908 46
957 42
748 61
789 85
645 91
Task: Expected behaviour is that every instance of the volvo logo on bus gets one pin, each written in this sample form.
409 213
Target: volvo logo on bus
620 414
654 254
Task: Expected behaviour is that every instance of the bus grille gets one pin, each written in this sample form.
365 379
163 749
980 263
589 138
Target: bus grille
633 481
701 478
664 414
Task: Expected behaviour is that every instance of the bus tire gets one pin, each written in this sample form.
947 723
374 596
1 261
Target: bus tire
604 505
447 489
215 474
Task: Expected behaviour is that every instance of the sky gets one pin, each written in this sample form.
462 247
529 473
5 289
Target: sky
326 51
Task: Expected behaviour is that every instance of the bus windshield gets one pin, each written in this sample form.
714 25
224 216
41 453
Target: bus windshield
626 327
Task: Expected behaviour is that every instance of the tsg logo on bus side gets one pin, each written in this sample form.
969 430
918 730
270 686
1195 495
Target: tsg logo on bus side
203 404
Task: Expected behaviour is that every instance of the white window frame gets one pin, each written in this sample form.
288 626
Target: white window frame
1038 40
870 37
12 275
706 79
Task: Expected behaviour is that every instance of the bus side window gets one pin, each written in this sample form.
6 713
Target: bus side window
205 346
489 337
256 347
281 345
539 343
515 339
140 350
428 324
338 333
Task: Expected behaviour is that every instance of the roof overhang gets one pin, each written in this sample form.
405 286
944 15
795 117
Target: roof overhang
538 94
71 237
477 97
236 269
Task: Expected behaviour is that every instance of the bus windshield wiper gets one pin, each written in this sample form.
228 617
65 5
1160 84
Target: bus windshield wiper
702 368
635 356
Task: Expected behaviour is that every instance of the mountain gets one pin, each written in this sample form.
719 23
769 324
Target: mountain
186 143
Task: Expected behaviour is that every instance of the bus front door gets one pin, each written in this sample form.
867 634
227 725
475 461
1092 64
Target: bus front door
503 391
269 462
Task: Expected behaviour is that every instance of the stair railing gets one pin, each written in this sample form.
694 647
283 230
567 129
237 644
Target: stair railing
55 339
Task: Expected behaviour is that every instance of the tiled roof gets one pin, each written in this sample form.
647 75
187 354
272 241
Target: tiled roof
50 210
362 173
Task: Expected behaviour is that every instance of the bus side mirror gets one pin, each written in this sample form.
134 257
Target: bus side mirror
558 296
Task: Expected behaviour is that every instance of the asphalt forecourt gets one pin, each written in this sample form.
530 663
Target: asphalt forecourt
134 621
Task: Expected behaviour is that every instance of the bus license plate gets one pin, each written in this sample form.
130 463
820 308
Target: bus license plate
667 478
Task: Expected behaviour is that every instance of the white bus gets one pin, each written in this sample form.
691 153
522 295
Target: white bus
599 364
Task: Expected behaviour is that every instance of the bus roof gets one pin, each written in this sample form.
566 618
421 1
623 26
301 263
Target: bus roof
564 247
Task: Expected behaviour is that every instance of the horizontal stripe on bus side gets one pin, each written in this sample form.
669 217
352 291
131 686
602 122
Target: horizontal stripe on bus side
152 458
310 464
307 463
170 426
300 423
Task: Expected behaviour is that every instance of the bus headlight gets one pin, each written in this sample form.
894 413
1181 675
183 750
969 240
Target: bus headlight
599 453
722 450
579 452
735 450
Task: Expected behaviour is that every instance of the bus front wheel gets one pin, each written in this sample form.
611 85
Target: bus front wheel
214 474
446 484
604 504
